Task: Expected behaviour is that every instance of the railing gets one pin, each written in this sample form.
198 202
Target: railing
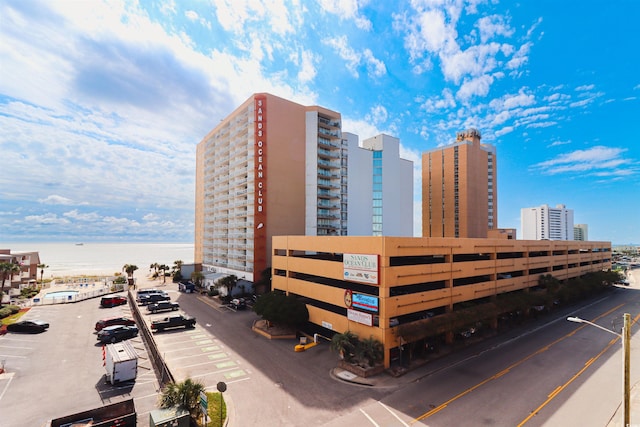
152 349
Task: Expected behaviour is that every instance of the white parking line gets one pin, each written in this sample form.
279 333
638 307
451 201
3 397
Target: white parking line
11 355
10 376
369 418
393 413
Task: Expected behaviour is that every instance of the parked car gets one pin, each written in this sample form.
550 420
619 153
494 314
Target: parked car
177 321
28 326
112 301
163 306
238 304
111 334
142 292
153 298
112 321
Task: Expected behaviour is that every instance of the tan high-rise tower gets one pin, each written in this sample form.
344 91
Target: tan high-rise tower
459 188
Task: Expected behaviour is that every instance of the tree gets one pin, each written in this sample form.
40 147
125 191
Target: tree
185 395
263 285
42 267
372 350
8 270
154 267
164 268
129 269
196 277
345 344
229 282
279 308
177 266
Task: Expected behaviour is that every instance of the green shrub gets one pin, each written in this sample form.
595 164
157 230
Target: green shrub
213 292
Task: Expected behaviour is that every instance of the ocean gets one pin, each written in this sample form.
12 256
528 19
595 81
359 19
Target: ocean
70 259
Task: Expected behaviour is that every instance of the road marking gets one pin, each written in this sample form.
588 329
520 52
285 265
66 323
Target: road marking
500 374
369 418
393 413
10 376
573 378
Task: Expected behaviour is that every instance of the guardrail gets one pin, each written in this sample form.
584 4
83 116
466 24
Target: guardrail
158 362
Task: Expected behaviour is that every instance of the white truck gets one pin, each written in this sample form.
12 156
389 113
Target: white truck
120 361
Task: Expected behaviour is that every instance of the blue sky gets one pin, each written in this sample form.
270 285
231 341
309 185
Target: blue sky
102 103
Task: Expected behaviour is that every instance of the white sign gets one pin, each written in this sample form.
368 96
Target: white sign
360 317
327 325
360 268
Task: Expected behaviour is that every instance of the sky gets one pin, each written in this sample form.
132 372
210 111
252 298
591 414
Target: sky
102 103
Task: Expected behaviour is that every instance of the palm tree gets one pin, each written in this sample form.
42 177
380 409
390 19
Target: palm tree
177 265
345 344
154 266
164 268
42 267
129 269
229 282
185 395
196 277
8 269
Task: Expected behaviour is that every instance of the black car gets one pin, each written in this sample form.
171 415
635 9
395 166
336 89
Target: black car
28 326
163 306
117 333
153 298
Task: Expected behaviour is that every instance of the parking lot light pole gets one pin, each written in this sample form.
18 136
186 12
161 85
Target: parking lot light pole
625 337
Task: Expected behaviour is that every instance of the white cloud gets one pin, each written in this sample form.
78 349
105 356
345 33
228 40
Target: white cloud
74 214
307 69
353 59
478 86
56 200
585 87
48 218
596 159
378 114
490 26
346 9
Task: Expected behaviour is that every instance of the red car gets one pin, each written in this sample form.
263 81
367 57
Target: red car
113 321
112 301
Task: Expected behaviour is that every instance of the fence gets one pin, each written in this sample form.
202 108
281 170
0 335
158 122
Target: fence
152 349
77 292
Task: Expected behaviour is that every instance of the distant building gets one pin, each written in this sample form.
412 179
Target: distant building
459 188
581 232
274 167
546 223
380 188
27 273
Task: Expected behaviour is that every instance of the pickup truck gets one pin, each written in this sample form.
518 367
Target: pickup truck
177 321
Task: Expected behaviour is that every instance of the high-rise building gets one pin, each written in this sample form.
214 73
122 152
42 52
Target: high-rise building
581 232
546 223
274 167
459 188
380 201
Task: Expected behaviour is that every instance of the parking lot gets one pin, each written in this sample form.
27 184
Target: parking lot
60 372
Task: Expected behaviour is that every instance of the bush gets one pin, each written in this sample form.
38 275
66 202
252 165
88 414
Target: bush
213 292
8 311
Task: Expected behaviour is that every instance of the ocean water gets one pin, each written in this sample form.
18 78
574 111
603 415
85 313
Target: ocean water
70 259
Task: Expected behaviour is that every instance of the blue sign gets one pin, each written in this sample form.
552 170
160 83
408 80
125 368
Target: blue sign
365 302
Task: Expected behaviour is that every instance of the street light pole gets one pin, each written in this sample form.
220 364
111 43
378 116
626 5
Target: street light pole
625 337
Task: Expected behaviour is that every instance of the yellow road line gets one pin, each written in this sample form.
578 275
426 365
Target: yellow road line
501 373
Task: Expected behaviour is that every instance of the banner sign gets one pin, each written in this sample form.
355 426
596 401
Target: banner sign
364 302
360 268
360 317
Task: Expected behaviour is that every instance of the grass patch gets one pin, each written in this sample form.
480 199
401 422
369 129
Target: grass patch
216 409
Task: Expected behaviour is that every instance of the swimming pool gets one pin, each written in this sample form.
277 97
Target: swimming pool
61 294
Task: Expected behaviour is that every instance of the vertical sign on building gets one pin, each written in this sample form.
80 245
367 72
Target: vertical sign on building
260 180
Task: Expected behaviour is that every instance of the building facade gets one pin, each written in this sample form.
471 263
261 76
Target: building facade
398 290
581 232
379 190
547 223
459 188
274 167
26 273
